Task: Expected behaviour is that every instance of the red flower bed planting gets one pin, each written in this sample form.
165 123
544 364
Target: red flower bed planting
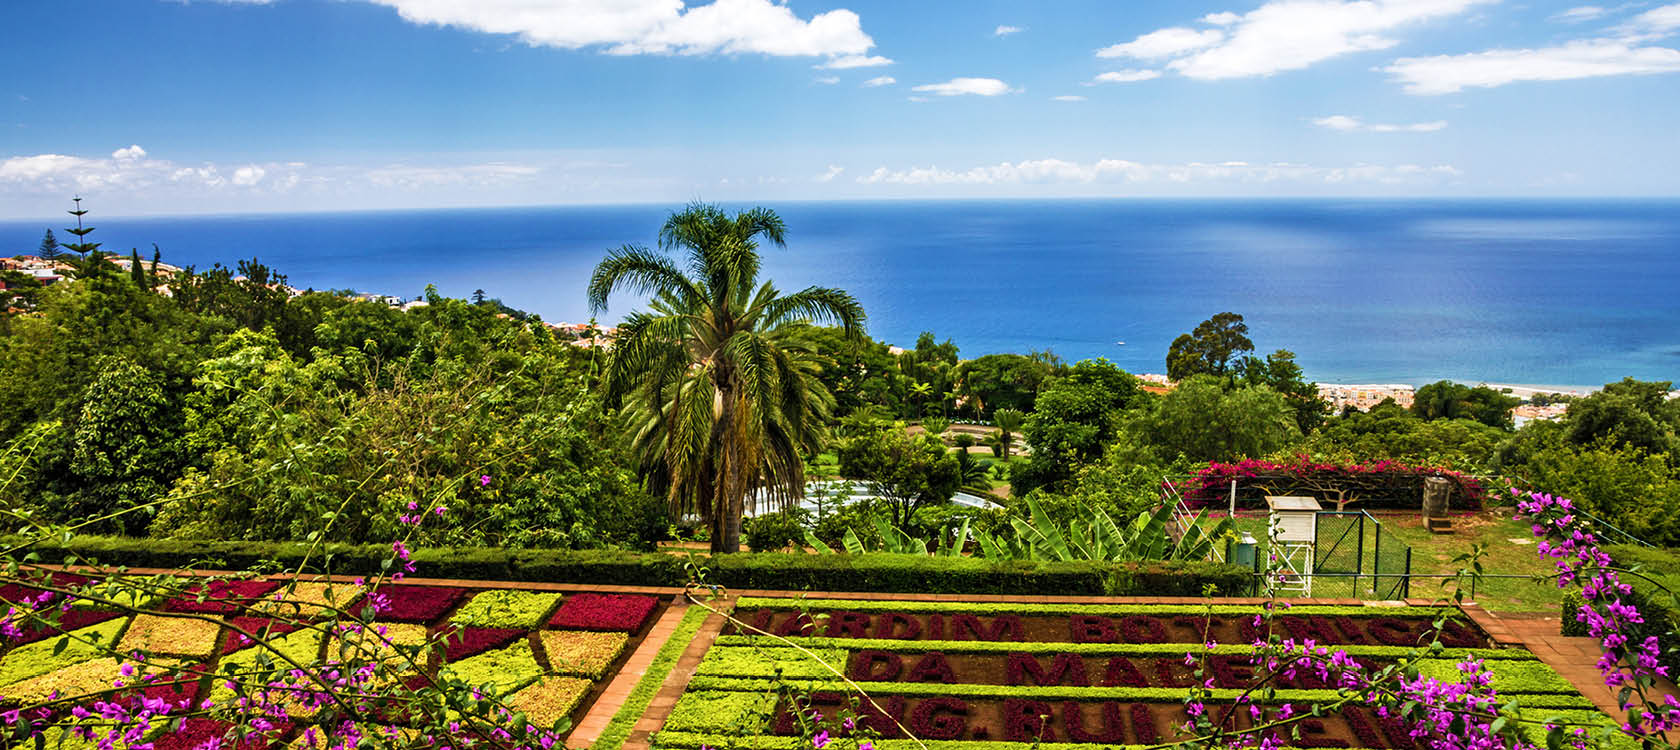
67 621
623 612
223 597
465 642
13 592
197 731
418 604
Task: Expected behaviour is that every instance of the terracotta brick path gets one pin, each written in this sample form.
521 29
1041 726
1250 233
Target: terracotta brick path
1576 659
590 727
642 735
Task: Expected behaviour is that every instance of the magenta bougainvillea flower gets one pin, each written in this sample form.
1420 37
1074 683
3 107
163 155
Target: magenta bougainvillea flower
222 596
624 612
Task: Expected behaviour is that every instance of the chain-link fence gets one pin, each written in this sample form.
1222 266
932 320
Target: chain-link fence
1354 556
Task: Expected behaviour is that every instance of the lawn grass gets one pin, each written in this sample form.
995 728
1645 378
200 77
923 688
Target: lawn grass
1509 550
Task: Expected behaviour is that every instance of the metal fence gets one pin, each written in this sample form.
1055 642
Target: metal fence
1354 556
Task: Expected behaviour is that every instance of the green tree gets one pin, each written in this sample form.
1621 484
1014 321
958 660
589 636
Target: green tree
1000 381
1201 420
909 472
137 272
49 249
1445 399
1279 372
1075 416
1630 412
720 370
1009 422
1216 347
125 449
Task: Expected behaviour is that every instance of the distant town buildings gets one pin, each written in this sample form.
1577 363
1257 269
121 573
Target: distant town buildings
1364 397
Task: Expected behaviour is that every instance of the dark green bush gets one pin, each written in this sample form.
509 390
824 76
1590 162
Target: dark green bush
881 572
775 531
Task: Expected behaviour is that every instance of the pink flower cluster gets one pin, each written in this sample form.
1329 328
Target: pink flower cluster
1214 480
1627 666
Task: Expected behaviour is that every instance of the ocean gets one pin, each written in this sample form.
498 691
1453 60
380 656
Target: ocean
1565 293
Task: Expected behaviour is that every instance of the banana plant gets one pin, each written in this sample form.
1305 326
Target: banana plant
1146 537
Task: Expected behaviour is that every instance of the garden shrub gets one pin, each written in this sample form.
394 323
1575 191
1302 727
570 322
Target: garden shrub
872 572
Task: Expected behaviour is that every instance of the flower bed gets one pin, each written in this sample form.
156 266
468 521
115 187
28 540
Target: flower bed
172 636
550 699
464 642
580 652
620 612
414 604
548 674
221 597
973 674
506 609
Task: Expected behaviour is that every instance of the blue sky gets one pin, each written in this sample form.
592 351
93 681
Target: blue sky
161 106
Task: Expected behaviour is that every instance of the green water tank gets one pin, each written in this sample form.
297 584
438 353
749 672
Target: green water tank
1242 551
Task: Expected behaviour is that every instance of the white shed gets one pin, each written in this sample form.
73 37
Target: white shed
1296 518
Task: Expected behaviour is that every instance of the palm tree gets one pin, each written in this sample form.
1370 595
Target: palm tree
718 375
1009 423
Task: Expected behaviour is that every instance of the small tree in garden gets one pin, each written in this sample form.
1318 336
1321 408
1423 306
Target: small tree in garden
1009 422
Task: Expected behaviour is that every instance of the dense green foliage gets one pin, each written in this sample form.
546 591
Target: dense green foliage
230 409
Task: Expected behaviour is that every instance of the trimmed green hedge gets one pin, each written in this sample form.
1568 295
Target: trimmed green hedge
877 572
1024 609
966 575
714 686
1175 650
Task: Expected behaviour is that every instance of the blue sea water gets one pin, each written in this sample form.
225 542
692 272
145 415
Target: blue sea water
1520 291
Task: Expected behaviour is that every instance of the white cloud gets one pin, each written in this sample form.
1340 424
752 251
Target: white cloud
1284 35
828 80
1164 43
628 27
961 86
1067 98
856 61
248 175
1007 30
130 153
1589 58
1126 76
833 172
1579 14
880 81
1349 124
1121 171
1653 24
